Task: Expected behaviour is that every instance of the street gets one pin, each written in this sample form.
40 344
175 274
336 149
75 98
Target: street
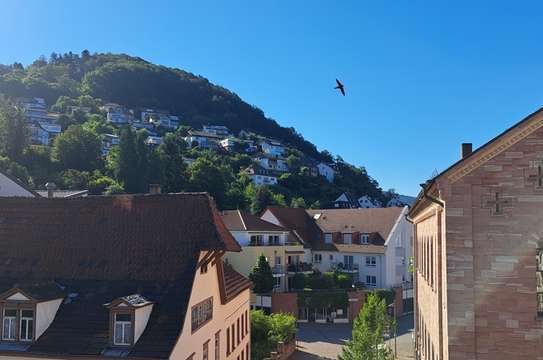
324 341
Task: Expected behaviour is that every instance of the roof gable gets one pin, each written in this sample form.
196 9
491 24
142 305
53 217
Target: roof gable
237 220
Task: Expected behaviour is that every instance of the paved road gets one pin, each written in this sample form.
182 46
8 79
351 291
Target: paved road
324 341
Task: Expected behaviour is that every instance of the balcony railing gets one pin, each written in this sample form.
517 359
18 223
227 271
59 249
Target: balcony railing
345 267
300 267
278 269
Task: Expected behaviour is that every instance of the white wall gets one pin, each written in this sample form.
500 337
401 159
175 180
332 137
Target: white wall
398 251
45 314
9 187
244 237
140 321
205 286
326 171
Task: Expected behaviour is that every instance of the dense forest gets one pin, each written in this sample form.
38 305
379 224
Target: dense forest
75 159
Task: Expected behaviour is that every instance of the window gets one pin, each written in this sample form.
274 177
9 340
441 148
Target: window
371 280
256 240
278 260
318 258
348 238
10 319
218 346
348 262
273 239
238 329
233 336
246 322
328 238
122 333
331 257
242 325
539 274
365 238
371 260
203 269
205 351
277 282
227 341
202 313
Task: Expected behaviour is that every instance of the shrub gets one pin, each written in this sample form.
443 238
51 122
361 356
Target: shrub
385 294
268 330
299 281
344 281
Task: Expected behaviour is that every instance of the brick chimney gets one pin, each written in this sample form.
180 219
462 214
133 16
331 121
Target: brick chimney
51 187
466 149
155 189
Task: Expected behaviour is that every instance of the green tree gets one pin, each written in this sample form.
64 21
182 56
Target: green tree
130 163
168 160
368 335
298 202
207 174
268 330
77 148
262 276
13 131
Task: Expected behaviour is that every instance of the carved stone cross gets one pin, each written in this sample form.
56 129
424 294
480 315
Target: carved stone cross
498 203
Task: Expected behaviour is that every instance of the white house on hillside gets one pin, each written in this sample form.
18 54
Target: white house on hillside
218 130
271 163
327 171
272 147
367 202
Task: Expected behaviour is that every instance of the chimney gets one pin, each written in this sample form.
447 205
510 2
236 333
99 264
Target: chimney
155 189
466 150
51 187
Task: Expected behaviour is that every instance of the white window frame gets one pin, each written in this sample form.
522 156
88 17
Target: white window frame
370 283
365 239
317 258
12 326
126 336
29 322
371 261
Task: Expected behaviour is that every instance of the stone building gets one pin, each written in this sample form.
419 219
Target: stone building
478 234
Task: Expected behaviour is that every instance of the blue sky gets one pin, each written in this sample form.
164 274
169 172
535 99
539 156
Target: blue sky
421 77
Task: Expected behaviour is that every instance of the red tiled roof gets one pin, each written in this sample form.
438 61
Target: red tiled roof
234 282
298 222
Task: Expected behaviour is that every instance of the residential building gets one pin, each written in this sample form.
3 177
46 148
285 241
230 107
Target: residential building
271 162
153 141
35 109
119 115
218 130
478 251
366 202
228 144
259 237
43 133
261 176
401 201
149 127
108 141
160 118
327 171
346 201
10 186
372 245
272 147
202 139
135 277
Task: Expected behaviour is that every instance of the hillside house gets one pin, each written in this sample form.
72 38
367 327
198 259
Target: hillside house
366 202
153 141
35 109
202 139
160 118
119 115
43 133
141 277
261 176
272 147
401 201
228 144
326 171
346 201
218 130
108 141
271 163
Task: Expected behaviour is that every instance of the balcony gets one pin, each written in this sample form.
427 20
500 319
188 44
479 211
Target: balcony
278 270
346 268
300 267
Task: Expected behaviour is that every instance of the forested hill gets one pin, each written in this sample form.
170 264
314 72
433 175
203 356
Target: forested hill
134 82
79 156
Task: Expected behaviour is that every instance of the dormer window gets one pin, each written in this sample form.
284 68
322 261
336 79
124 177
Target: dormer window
347 238
19 310
122 329
125 312
365 238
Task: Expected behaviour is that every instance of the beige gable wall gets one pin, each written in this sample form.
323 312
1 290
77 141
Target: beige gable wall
206 285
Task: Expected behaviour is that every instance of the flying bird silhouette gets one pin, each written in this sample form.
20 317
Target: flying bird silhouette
340 87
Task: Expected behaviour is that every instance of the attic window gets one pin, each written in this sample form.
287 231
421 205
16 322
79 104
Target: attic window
122 329
317 216
125 312
365 238
22 319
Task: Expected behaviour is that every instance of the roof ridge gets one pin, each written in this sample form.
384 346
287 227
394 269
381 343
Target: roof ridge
242 220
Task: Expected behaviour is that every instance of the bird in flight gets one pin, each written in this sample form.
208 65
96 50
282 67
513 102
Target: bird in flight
340 87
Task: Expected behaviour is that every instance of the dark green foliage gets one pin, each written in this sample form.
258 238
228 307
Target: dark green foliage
104 185
344 281
13 131
262 276
298 281
385 294
268 330
77 148
12 168
323 299
131 166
